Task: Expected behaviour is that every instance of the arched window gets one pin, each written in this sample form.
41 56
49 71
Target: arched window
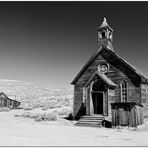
123 91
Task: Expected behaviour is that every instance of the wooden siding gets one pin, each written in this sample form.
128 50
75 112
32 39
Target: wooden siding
6 102
127 114
111 99
144 94
78 98
117 72
133 90
144 99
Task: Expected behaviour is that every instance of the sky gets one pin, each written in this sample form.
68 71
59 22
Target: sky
48 43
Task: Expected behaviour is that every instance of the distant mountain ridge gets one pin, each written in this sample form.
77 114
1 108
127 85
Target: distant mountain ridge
34 94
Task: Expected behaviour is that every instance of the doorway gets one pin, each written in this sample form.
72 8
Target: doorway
97 99
98 89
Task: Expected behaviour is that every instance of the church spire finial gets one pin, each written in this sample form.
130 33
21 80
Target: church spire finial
104 23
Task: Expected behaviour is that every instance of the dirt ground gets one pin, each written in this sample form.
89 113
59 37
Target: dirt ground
18 131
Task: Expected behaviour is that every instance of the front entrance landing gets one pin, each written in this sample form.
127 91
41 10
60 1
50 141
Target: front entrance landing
95 94
91 121
96 100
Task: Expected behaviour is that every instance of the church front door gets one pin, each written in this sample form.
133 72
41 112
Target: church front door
97 100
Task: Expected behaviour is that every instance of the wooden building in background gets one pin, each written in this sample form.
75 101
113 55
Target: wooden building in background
7 102
107 78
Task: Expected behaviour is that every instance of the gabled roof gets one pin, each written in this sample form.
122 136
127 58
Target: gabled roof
2 93
133 68
103 77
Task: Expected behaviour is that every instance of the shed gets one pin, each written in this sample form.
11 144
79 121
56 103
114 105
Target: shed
5 101
127 114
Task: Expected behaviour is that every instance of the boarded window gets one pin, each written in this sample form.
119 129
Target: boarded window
123 91
144 89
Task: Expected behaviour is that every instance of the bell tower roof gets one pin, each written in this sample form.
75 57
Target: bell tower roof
104 25
105 35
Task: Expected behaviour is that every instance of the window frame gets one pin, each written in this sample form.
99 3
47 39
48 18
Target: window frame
100 68
123 91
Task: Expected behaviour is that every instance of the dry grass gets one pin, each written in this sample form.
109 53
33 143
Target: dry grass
4 109
38 119
63 111
28 108
40 116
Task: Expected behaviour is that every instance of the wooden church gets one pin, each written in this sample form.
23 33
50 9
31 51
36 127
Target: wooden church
106 79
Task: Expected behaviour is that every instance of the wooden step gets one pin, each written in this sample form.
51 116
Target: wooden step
91 121
89 124
91 118
84 122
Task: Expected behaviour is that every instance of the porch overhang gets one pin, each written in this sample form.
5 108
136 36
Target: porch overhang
103 77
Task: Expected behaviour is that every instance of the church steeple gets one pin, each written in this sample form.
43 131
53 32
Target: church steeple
105 35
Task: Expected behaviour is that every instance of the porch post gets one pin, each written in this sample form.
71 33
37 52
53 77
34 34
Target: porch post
84 95
91 102
88 101
105 103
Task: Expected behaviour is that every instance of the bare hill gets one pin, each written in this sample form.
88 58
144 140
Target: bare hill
34 95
